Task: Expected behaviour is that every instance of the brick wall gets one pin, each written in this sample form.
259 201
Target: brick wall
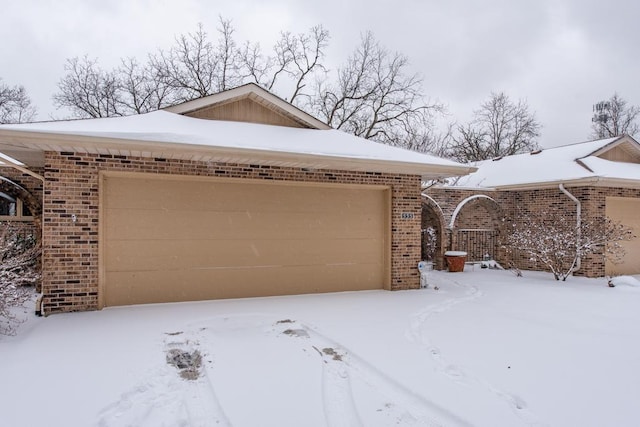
70 250
515 204
480 213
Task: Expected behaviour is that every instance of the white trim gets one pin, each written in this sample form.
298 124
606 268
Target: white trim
59 142
464 202
19 208
18 165
621 140
436 203
242 92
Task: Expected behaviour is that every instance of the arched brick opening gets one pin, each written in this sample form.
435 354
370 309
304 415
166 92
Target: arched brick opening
433 232
475 228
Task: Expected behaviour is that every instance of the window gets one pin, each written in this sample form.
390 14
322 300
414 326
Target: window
12 209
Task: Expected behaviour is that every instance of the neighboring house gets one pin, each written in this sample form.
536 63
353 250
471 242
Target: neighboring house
601 178
232 195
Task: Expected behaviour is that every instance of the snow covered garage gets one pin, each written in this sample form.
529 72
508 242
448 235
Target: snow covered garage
236 194
177 238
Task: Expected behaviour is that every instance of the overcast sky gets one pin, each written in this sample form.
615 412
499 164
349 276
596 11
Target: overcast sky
561 56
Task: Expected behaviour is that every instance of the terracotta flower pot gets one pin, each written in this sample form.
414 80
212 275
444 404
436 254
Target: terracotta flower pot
455 260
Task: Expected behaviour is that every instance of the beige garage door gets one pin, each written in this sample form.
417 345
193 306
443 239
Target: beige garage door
167 238
627 211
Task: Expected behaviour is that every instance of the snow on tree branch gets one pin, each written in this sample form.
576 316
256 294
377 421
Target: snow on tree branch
19 271
553 239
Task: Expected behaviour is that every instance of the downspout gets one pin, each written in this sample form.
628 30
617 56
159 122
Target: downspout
578 225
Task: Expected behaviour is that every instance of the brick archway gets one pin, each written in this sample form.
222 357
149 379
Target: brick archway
32 202
433 231
475 227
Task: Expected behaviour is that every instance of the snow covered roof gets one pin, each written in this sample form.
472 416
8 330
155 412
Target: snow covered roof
170 135
612 161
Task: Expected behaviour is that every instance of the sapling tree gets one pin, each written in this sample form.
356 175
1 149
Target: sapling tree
554 239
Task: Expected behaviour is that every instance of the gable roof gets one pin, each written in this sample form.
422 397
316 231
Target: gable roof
256 94
612 161
163 134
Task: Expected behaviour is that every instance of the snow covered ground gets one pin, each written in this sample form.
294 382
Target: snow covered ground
484 349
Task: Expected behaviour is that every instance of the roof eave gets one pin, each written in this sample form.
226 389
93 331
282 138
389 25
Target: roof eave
597 181
620 140
58 142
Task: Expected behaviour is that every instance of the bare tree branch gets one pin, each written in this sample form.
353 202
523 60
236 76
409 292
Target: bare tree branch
552 238
375 98
15 105
500 127
88 90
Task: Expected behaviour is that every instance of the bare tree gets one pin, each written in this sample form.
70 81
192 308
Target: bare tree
469 144
615 117
375 97
297 57
306 52
87 90
139 91
557 242
500 127
15 105
195 66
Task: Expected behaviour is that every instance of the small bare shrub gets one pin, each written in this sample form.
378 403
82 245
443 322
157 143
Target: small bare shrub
19 270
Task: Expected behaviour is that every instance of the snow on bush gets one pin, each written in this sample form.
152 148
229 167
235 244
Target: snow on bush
19 270
554 239
429 240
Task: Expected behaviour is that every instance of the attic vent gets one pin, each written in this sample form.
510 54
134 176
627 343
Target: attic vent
495 159
535 152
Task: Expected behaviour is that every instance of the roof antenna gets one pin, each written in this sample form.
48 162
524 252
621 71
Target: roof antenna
601 115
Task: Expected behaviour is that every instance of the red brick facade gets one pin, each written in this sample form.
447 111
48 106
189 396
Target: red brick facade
70 249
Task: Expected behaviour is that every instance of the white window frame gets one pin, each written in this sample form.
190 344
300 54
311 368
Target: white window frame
18 216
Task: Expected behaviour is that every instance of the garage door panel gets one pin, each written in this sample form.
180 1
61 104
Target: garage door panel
134 224
240 197
154 255
626 211
180 239
170 286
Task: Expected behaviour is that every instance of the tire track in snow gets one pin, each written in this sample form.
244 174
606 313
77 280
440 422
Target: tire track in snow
340 365
337 395
416 334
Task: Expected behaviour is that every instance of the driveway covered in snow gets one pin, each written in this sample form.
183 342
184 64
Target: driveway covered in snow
485 348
